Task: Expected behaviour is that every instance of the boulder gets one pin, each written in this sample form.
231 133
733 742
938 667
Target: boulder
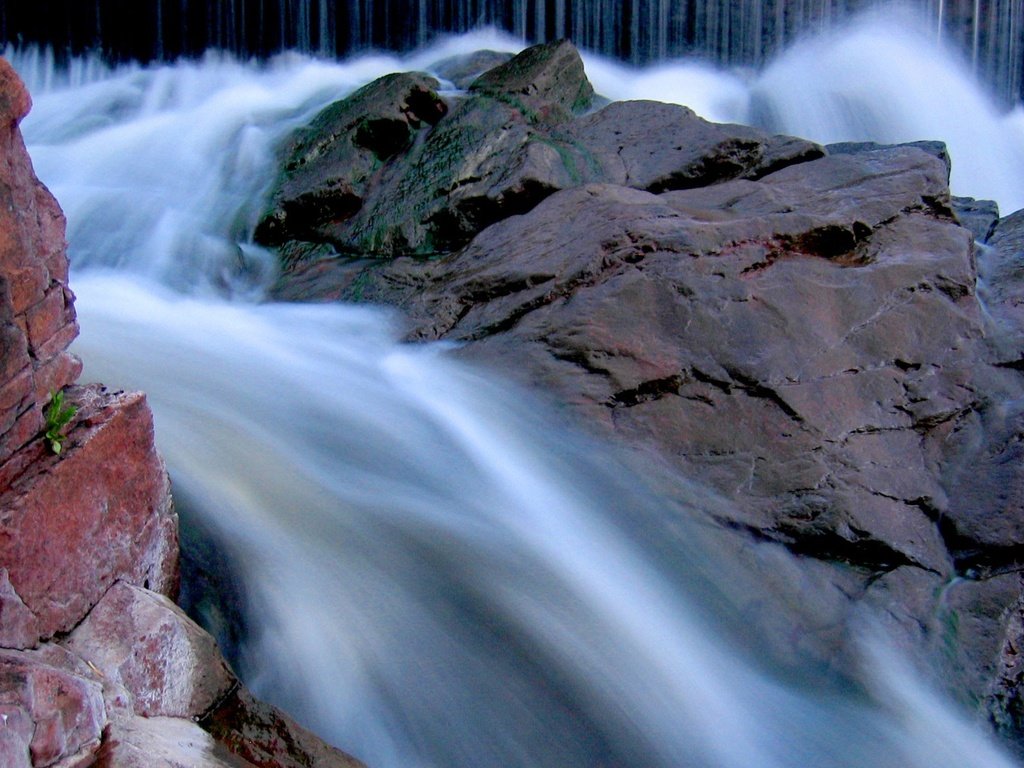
267 737
463 69
540 77
809 344
657 147
100 511
143 644
512 142
329 164
48 715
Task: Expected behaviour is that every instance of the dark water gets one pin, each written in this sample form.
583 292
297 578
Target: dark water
987 33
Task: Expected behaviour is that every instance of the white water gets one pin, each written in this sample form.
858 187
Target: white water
435 575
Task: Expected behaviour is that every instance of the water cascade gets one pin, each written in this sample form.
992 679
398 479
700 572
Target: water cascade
433 574
988 33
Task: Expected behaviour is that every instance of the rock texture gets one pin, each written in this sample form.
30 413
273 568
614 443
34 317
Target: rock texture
511 142
97 665
801 329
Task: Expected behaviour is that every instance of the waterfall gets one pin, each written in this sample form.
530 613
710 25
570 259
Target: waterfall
434 571
744 33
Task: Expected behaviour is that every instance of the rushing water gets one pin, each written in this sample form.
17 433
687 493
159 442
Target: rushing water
434 572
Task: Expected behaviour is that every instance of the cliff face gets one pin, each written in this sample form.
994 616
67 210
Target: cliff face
97 665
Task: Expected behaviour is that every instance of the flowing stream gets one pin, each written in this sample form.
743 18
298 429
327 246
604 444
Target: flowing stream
434 571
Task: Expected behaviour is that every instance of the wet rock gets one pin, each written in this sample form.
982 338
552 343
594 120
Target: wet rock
979 216
658 147
804 343
511 144
1001 273
936 148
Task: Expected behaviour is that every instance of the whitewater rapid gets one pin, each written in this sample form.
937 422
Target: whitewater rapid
436 572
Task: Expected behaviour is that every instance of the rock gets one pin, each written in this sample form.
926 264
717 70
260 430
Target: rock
979 216
936 148
329 164
505 148
1001 278
141 642
163 742
462 70
37 319
541 76
804 343
267 737
99 512
48 716
657 147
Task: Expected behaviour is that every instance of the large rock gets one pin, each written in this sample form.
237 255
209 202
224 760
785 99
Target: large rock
267 737
329 164
540 77
145 645
100 511
512 142
809 344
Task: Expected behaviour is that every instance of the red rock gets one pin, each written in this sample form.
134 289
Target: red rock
49 316
19 628
61 712
14 99
142 641
72 525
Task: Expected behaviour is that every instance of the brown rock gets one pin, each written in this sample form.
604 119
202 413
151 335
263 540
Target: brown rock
805 344
72 525
657 147
268 738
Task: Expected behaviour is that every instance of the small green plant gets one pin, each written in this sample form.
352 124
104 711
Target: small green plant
57 416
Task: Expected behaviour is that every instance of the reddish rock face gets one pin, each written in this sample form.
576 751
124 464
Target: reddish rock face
37 317
145 643
48 713
72 525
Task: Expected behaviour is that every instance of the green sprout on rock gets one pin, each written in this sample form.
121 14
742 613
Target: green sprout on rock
57 416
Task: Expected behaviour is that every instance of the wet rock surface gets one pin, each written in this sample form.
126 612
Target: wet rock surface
802 329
